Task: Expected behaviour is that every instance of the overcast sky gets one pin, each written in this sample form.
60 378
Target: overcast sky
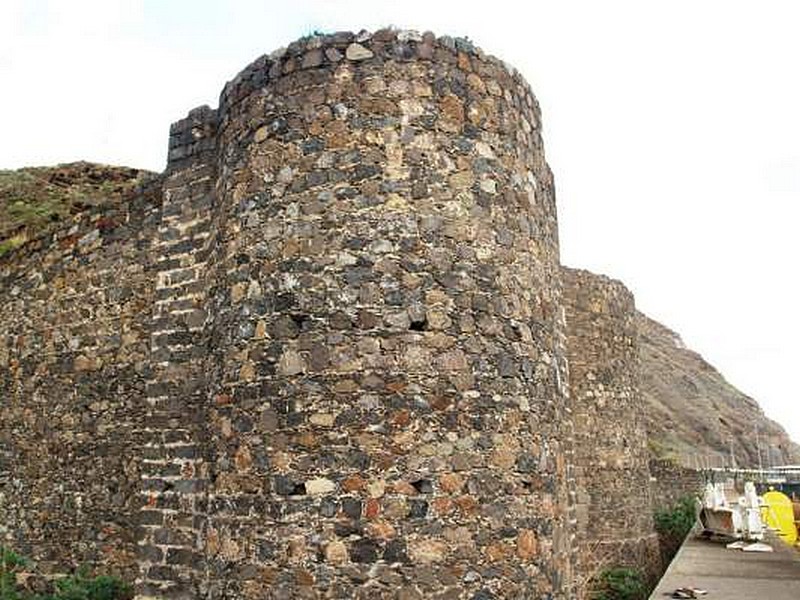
673 130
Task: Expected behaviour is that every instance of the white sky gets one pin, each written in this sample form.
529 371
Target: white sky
673 129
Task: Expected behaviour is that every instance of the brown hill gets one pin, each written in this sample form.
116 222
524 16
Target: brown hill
695 416
34 198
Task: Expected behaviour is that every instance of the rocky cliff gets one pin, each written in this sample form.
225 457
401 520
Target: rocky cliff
694 415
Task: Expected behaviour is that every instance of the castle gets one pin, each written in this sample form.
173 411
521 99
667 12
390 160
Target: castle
330 352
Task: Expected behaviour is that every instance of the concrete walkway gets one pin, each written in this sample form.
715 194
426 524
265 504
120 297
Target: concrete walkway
733 574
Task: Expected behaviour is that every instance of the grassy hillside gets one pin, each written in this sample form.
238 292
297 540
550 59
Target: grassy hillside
33 199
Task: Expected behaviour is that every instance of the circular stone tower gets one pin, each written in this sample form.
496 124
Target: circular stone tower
387 318
613 508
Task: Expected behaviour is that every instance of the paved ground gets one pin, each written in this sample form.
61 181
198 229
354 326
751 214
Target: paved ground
733 574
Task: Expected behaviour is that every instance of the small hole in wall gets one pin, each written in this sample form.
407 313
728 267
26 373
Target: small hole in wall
421 325
299 490
299 319
423 486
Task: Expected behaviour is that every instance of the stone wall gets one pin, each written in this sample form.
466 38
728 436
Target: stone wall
177 465
387 408
325 355
613 503
74 359
671 481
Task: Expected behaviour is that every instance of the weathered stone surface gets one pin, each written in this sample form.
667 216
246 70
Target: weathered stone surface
300 357
319 486
611 456
262 133
336 552
526 544
358 52
427 551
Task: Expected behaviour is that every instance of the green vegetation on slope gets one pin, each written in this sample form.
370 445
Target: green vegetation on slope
677 520
79 586
620 583
34 198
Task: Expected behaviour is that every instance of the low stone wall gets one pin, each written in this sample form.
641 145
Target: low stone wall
671 482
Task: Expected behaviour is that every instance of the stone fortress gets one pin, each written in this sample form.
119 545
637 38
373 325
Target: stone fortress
330 352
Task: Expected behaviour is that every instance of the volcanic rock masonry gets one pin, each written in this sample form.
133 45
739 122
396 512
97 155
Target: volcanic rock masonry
612 474
324 354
